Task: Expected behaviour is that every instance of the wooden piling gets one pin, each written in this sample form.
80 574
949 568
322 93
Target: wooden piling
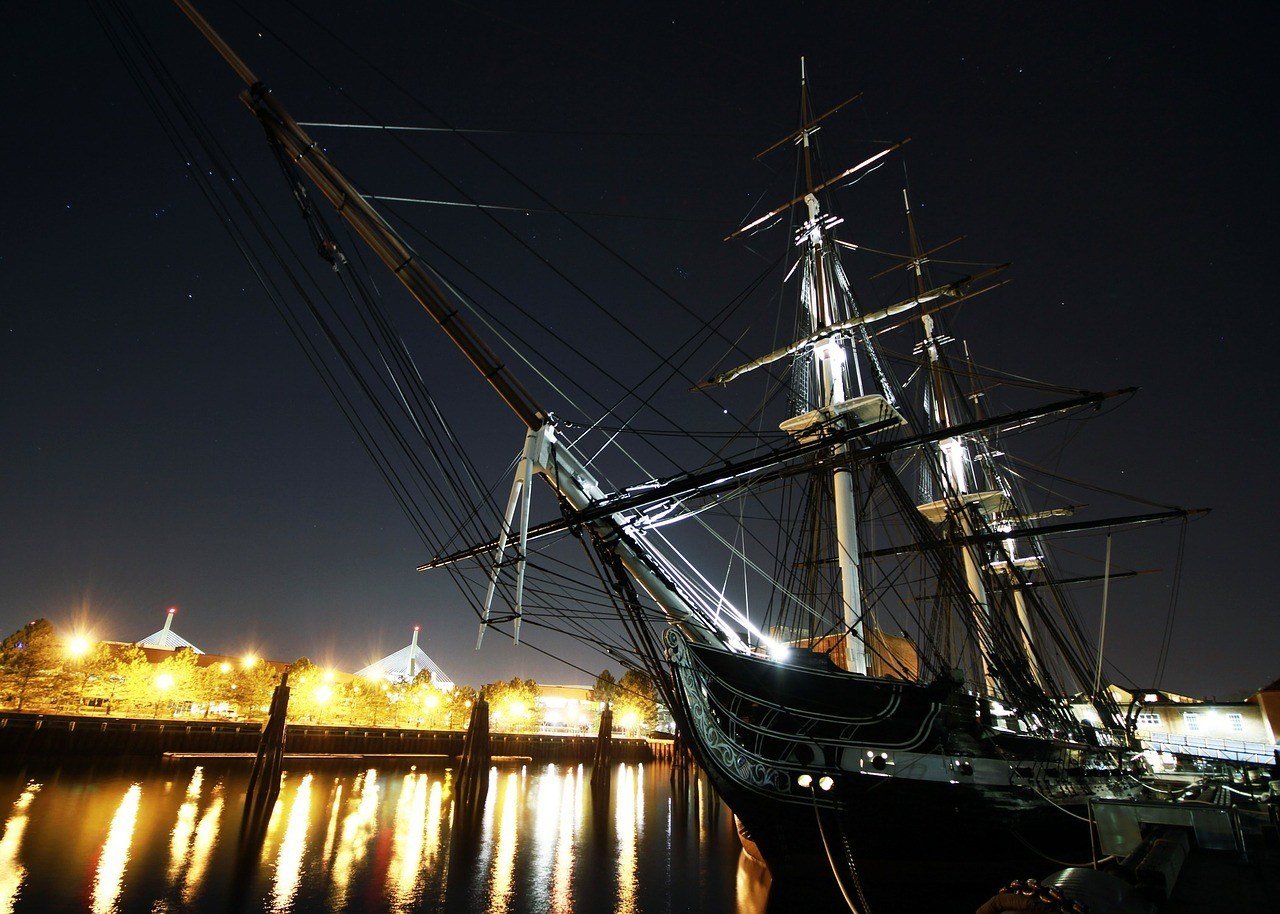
473 767
601 770
264 779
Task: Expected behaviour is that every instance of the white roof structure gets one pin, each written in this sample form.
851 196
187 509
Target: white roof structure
167 639
405 664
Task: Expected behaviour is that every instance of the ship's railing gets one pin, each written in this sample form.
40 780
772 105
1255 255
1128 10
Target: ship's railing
1232 750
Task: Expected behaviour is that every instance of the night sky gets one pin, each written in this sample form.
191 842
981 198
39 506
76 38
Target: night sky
165 443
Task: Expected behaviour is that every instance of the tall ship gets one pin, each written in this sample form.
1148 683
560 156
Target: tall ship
848 604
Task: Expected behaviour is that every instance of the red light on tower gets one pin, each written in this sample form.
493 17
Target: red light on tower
172 610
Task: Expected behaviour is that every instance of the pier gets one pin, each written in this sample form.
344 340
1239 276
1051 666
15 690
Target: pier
33 736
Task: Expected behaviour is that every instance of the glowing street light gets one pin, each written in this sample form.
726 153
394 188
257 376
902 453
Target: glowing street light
224 668
249 661
323 694
164 682
78 646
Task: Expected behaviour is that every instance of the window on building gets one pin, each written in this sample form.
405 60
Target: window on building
1148 720
1192 721
1236 722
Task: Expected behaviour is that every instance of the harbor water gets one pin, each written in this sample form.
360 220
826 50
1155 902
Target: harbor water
160 838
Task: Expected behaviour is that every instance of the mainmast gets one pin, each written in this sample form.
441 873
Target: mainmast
971 492
955 460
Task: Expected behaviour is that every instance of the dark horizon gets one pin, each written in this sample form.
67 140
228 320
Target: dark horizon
167 445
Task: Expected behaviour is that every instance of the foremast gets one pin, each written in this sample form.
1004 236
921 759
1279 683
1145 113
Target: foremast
832 360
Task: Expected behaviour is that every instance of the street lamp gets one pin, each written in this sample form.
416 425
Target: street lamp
249 661
78 646
322 695
164 682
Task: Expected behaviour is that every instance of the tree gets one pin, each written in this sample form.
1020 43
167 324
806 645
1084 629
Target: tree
134 679
513 705
605 690
369 702
460 700
637 704
175 680
217 687
100 675
253 688
30 660
309 694
426 704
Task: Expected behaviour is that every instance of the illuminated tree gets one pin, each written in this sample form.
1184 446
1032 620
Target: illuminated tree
30 661
605 690
174 681
513 705
636 707
369 701
133 680
253 686
460 699
312 691
426 705
103 673
217 687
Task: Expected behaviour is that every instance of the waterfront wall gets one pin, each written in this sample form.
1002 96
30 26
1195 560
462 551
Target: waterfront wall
29 736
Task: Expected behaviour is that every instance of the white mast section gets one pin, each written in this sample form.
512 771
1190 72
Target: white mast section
832 367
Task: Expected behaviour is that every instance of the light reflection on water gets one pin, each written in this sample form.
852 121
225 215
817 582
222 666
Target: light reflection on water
109 880
12 872
185 829
202 846
630 820
569 815
292 847
544 842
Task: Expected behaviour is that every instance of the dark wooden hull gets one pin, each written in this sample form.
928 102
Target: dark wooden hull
921 803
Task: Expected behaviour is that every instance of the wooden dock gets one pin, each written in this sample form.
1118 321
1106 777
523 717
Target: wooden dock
32 736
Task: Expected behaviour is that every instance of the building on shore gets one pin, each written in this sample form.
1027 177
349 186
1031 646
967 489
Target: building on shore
567 708
1169 724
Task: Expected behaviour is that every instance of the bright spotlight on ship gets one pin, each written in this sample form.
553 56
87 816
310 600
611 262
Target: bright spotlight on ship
777 650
